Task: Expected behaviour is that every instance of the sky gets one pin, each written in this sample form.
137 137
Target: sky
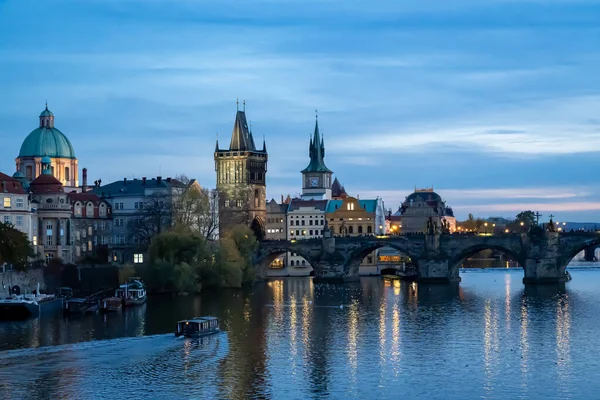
495 104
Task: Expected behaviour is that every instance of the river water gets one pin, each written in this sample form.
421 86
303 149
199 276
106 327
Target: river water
488 337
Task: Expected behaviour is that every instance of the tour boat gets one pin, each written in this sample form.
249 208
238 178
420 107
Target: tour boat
197 326
133 292
109 304
25 306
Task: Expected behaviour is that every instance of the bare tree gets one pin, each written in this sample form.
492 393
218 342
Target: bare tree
155 217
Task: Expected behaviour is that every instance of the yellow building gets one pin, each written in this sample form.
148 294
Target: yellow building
354 217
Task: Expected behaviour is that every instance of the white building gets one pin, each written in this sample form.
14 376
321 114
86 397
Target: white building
16 206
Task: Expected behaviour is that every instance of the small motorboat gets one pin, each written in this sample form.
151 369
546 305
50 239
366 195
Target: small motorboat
111 304
78 305
133 292
197 326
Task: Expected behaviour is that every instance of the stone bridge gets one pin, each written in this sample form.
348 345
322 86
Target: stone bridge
543 255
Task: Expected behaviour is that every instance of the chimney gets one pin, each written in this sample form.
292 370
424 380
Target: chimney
124 181
281 199
168 180
143 180
84 182
158 180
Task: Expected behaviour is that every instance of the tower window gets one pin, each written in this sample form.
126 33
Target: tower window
238 203
67 176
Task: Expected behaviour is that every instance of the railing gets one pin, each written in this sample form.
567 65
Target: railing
52 206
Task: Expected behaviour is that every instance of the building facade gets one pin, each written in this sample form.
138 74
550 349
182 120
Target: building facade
276 229
52 223
91 224
16 207
422 206
354 217
48 141
140 209
241 180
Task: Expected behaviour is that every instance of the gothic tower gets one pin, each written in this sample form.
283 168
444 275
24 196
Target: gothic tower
241 180
316 177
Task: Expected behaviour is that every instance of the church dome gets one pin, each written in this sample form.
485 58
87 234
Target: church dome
424 195
47 140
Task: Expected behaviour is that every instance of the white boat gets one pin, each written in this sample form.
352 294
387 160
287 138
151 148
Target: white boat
28 305
133 292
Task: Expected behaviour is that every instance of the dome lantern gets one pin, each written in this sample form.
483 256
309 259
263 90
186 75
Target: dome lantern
46 118
46 168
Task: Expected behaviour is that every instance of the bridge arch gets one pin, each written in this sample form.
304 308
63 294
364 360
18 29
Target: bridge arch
456 261
266 256
356 257
569 252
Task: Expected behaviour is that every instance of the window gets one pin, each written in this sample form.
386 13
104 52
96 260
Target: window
370 260
360 230
118 206
302 222
138 258
292 263
369 229
49 258
7 202
20 203
119 222
102 210
90 230
226 203
103 240
102 225
136 205
310 222
7 219
19 220
350 206
303 263
350 229
292 232
67 176
297 232
311 232
89 211
78 209
238 203
89 245
29 172
49 241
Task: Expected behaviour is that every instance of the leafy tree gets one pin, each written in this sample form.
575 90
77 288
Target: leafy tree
196 208
245 243
527 217
15 248
156 216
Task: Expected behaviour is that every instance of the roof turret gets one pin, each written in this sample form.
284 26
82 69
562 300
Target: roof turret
316 151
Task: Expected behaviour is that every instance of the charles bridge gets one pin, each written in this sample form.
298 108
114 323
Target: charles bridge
543 255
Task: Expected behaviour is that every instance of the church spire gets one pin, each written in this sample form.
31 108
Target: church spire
241 137
316 151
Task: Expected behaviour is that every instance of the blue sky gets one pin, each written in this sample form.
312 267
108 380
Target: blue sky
495 103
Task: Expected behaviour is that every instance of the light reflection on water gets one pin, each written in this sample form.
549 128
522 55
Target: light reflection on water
489 337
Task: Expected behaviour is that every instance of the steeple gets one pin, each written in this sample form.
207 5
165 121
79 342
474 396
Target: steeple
316 152
46 118
241 137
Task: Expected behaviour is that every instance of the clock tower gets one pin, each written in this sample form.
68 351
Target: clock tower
316 177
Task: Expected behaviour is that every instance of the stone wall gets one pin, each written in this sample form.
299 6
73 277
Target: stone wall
27 281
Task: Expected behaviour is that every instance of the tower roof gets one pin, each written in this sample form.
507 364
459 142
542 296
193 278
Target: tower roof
241 137
337 190
316 151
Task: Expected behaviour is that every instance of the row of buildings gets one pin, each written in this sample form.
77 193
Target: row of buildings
67 219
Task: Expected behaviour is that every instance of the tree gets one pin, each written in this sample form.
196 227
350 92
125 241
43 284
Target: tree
156 216
245 243
15 248
527 217
196 208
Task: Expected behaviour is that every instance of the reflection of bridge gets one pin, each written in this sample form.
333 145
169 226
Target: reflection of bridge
543 255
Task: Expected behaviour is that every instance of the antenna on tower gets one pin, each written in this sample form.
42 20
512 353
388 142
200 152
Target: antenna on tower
244 104
237 104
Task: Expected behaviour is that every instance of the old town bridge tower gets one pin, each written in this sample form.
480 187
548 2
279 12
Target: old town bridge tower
241 180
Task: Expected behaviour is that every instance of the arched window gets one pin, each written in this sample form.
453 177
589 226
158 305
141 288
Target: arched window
369 229
256 198
292 263
303 263
350 229
29 172
102 210
78 209
89 210
360 230
67 176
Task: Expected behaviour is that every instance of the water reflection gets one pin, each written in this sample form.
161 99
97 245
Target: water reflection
293 339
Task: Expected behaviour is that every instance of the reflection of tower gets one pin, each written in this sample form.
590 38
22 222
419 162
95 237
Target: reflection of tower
316 177
241 180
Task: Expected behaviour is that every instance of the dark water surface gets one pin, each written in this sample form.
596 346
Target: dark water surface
489 337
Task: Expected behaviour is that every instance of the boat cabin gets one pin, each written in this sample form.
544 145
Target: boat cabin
197 326
131 290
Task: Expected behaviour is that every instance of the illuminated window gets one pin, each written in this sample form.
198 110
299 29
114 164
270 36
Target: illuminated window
350 206
35 240
138 258
7 202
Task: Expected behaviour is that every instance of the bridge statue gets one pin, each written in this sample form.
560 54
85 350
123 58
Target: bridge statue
543 254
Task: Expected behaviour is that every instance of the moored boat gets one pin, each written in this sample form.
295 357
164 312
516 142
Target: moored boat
25 306
133 292
197 326
80 306
110 304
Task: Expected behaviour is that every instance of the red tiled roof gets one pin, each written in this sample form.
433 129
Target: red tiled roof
87 196
46 184
8 184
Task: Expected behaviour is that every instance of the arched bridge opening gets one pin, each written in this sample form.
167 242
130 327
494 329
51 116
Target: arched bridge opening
484 256
570 253
379 258
285 261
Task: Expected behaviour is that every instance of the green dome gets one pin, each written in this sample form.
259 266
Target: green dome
47 142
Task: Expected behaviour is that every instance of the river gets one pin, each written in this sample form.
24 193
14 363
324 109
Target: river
488 337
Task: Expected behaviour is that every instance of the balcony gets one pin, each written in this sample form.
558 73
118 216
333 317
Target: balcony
52 206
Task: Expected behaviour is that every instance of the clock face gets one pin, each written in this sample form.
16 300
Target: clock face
313 182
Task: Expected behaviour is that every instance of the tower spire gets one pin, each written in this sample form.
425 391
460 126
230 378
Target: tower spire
237 104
